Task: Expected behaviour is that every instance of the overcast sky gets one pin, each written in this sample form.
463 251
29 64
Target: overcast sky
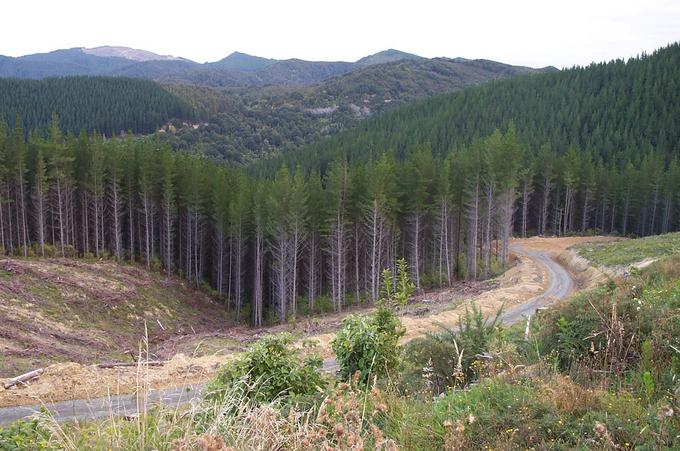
532 33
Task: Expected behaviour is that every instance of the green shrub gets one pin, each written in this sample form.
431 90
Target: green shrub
452 355
24 435
370 345
271 369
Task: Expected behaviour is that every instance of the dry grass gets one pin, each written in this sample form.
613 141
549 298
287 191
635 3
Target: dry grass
569 397
344 420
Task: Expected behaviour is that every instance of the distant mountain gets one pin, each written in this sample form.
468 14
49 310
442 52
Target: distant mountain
59 63
242 62
236 70
108 51
386 56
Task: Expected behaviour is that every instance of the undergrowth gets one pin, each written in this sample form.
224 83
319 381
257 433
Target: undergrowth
631 251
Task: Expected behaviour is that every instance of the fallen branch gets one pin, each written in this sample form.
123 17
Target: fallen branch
23 378
124 364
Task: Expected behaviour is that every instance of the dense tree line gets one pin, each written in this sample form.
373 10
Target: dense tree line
618 111
311 241
104 104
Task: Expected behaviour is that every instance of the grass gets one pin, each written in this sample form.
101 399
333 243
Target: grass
631 251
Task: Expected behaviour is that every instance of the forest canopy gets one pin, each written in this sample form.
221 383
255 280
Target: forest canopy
108 105
617 111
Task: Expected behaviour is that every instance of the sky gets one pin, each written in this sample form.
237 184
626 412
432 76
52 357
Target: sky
521 32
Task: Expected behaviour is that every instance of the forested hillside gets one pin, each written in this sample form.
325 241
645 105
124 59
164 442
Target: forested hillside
249 124
314 235
618 111
599 144
271 248
105 105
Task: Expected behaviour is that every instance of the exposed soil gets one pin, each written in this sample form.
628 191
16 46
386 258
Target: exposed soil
60 310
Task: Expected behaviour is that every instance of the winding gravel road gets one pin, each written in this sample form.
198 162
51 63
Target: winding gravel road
560 286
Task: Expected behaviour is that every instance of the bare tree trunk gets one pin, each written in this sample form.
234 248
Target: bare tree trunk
655 201
9 225
312 271
486 241
442 242
295 256
356 263
147 244
168 237
189 246
85 220
257 283
376 229
667 214
473 230
586 210
566 224
507 213
115 211
220 261
626 206
526 195
3 248
279 252
197 256
415 248
337 255
39 201
545 201
61 218
238 290
24 225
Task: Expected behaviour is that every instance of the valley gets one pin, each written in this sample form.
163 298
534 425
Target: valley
350 252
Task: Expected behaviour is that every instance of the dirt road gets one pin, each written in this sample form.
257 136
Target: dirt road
560 285
535 281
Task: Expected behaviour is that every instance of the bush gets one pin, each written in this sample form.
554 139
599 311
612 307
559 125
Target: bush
370 345
271 369
23 435
449 358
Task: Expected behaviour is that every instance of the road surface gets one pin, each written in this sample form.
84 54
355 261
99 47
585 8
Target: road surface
560 286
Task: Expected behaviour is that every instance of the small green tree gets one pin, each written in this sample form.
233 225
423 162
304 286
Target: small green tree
270 370
369 345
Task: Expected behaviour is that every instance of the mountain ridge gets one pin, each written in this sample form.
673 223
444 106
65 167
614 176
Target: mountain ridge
235 70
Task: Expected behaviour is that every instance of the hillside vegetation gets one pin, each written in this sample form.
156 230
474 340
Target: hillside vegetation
90 104
618 111
64 310
246 125
249 120
632 251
